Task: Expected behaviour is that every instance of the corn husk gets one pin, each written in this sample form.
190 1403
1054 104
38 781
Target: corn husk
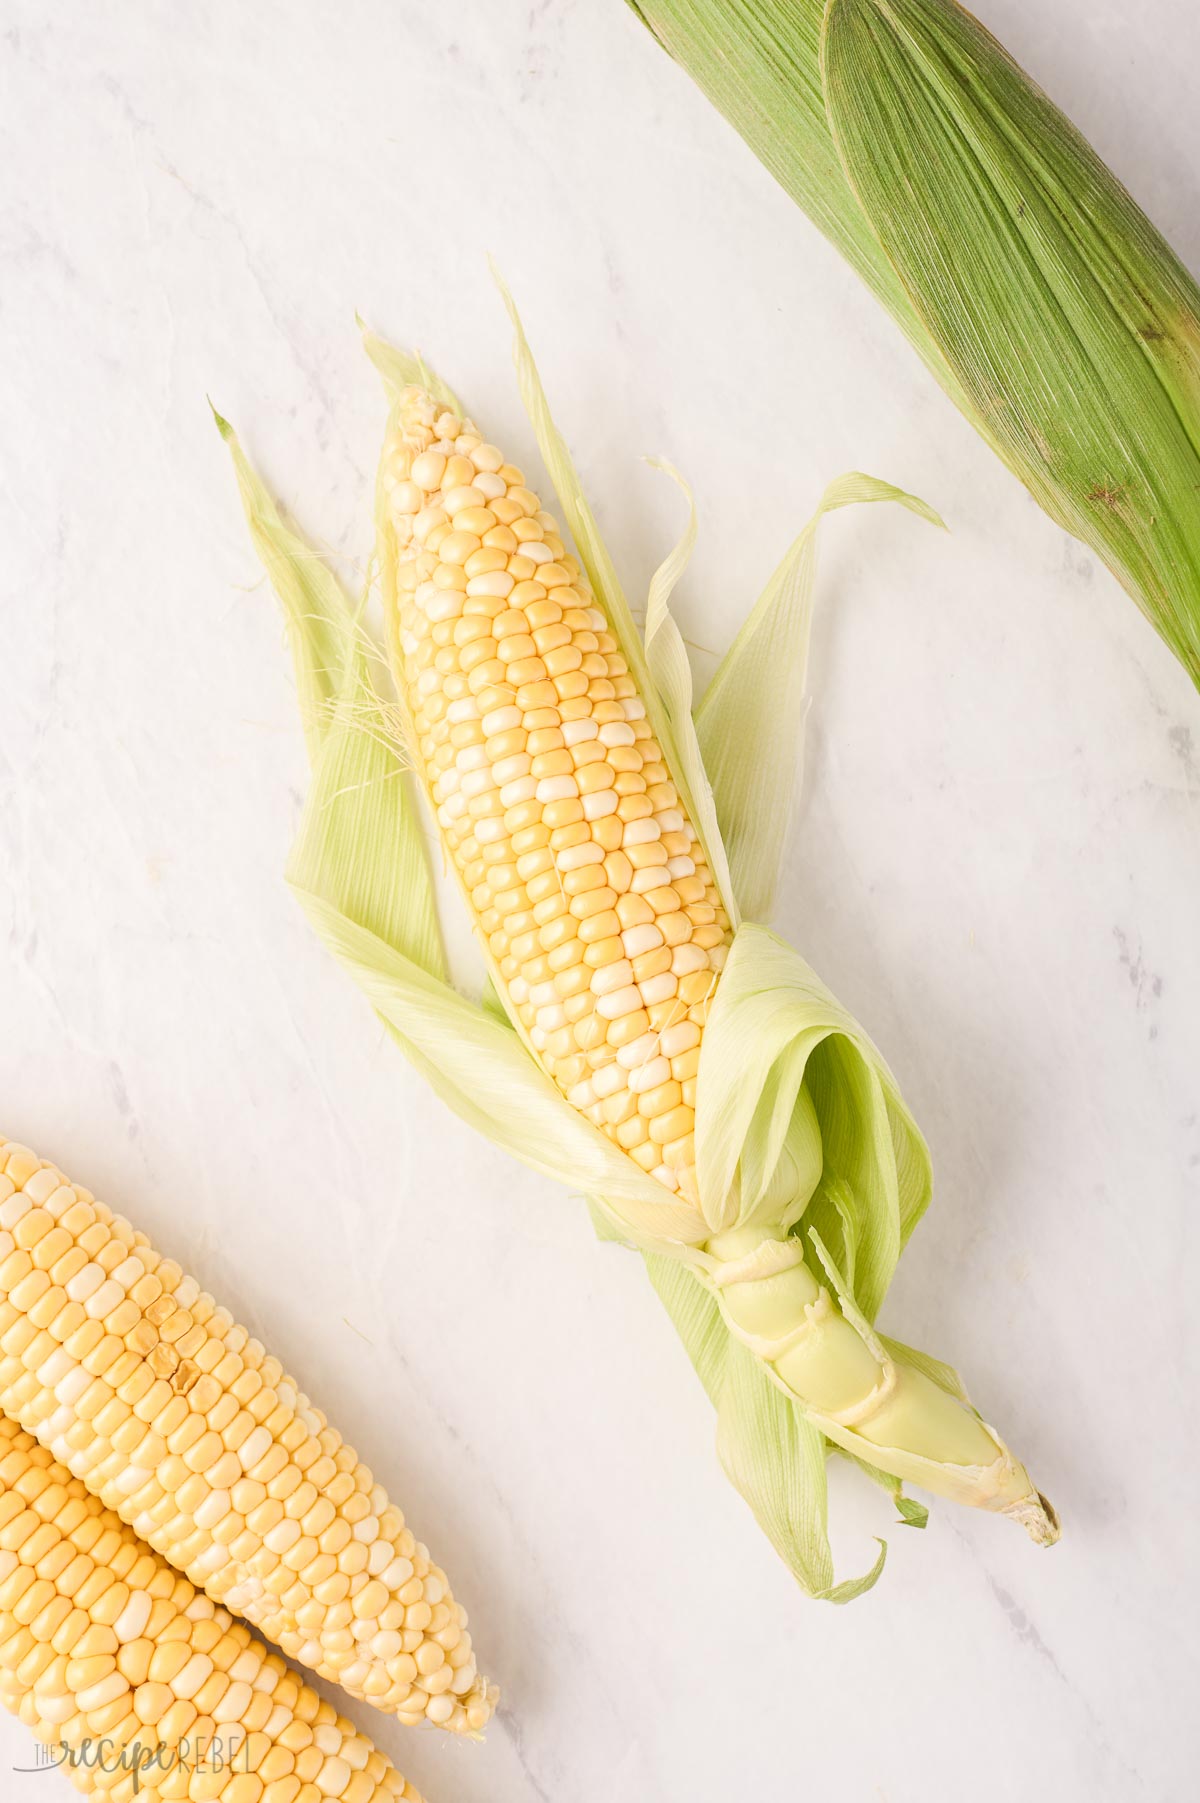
360 871
1042 298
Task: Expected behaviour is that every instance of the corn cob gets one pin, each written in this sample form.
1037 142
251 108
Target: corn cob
597 909
589 885
178 1421
101 1640
1038 293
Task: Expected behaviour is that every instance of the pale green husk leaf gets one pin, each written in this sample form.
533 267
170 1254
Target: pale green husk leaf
794 1101
315 610
360 870
773 1021
770 1453
747 721
406 369
360 847
480 1068
670 673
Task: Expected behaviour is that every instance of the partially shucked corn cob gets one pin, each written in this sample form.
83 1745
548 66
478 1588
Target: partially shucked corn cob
598 911
587 879
101 1641
179 1421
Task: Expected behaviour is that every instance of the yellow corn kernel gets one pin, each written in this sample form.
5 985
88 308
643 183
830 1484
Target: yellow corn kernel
206 1455
572 770
250 1702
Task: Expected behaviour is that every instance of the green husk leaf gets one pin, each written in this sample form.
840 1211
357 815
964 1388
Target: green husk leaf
772 1012
491 1003
749 722
603 1224
835 1207
774 1458
1066 318
480 1068
671 674
360 870
1040 296
945 1376
846 1300
912 1513
758 61
406 369
315 609
361 792
781 1158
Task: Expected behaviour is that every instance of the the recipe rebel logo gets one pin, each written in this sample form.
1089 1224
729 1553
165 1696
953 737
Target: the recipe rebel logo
221 1753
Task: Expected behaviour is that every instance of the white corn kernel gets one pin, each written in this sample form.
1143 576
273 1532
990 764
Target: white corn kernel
620 1002
611 977
558 788
506 770
599 804
608 1080
686 958
574 857
427 470
649 1075
680 1037
497 583
642 938
658 989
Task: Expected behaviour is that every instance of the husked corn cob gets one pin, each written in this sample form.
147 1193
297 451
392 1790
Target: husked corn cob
101 1640
585 874
179 1421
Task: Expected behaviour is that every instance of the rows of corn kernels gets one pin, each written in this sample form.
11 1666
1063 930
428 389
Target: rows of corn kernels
180 1421
102 1644
585 874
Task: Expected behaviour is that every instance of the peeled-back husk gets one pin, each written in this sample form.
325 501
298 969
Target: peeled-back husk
800 1126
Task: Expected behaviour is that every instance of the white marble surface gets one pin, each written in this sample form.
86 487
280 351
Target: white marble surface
996 864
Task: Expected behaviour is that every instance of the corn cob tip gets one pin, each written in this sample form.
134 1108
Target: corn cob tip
1038 1516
